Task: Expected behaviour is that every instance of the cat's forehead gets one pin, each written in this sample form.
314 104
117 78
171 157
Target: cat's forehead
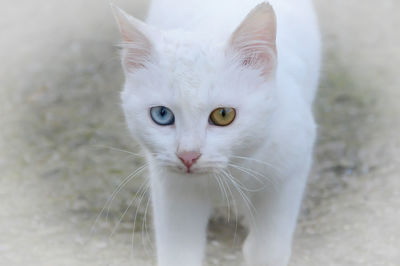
191 73
189 61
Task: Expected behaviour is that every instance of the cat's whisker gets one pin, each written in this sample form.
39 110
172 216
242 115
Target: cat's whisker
143 186
234 205
122 185
223 191
116 191
139 200
252 175
140 155
235 180
144 224
256 175
274 167
120 150
245 170
136 214
246 200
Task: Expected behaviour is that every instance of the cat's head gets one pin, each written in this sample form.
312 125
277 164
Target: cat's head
194 103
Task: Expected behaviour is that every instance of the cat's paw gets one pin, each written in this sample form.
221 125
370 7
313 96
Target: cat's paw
256 254
267 261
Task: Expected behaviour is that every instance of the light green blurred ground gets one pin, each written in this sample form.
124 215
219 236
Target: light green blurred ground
59 84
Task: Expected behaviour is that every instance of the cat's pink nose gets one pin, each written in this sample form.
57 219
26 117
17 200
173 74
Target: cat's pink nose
188 158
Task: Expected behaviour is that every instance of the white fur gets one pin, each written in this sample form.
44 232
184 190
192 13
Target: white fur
186 66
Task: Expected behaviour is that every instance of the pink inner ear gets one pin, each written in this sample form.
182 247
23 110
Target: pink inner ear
254 41
136 53
259 58
137 47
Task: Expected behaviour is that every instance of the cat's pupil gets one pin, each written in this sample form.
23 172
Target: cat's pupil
223 112
163 112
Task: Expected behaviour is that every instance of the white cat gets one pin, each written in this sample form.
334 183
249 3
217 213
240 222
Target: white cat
219 96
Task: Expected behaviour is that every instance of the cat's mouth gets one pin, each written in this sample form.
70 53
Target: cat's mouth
199 168
191 171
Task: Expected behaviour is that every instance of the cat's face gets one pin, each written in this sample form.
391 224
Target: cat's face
195 105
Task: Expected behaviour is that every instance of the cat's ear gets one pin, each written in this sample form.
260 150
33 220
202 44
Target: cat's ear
136 44
253 43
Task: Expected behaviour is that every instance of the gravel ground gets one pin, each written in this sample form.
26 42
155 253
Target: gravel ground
61 126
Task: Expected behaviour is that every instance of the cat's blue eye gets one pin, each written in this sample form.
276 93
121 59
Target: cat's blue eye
162 115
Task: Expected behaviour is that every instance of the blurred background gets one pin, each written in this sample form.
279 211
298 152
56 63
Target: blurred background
63 141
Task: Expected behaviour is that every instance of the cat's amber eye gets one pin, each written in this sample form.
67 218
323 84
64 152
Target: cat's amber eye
223 116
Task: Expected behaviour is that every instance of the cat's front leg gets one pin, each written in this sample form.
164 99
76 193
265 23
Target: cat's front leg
181 213
271 228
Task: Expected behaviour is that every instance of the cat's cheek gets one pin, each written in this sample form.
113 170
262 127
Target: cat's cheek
219 144
163 140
